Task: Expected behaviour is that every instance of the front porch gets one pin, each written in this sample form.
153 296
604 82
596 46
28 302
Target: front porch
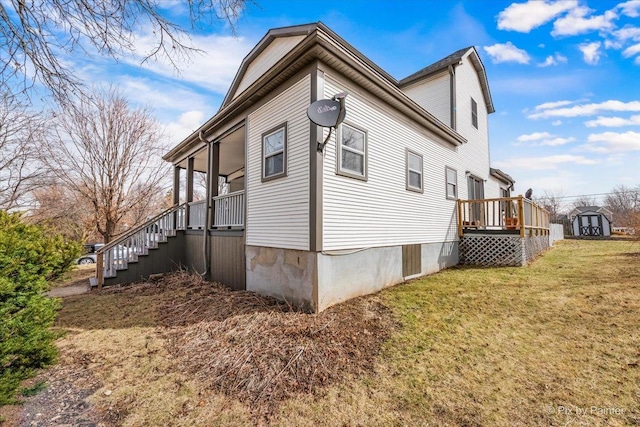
506 231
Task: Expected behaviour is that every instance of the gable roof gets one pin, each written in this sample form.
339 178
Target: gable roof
452 60
319 43
584 209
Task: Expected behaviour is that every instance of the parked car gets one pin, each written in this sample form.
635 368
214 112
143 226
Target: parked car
89 256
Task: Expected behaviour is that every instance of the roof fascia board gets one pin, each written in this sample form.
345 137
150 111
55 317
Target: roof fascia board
271 35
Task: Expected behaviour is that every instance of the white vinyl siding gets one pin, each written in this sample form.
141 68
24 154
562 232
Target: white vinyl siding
267 59
474 155
278 210
380 211
434 95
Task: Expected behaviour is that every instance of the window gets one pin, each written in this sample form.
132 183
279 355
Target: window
274 153
414 171
474 113
352 152
452 183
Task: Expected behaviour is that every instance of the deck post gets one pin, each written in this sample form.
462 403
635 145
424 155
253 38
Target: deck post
214 177
521 215
459 203
190 166
100 270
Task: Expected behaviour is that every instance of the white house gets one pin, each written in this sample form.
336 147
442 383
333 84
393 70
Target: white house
386 199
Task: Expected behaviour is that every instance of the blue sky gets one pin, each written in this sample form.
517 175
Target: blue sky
563 75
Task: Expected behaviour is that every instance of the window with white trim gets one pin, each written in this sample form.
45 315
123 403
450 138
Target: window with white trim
452 183
274 153
352 152
474 113
414 171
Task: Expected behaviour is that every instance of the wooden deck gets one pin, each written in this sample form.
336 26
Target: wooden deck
504 215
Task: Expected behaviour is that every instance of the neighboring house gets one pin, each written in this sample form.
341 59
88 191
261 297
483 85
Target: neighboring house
390 197
591 221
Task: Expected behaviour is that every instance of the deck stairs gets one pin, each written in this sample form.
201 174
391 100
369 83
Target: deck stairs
138 242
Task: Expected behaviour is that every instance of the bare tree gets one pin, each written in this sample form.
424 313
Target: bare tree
34 34
61 209
553 202
20 136
624 203
109 154
585 200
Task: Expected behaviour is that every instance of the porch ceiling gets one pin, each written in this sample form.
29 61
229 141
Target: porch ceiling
231 154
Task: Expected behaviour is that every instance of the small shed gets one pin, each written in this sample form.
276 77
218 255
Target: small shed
591 221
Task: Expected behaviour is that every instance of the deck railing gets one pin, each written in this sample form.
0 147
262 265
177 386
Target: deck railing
197 214
116 254
229 210
504 213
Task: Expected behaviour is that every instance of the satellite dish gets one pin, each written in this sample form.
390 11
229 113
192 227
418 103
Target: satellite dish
326 113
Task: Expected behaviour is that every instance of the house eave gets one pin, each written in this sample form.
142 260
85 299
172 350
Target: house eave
319 43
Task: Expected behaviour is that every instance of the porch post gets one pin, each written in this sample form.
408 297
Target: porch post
521 215
190 163
176 185
214 176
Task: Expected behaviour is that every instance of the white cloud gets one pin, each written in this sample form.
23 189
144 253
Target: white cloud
612 44
553 60
533 136
553 104
613 142
544 162
631 50
586 109
214 68
523 17
556 123
627 33
590 52
612 122
630 8
576 22
544 139
637 60
507 52
186 124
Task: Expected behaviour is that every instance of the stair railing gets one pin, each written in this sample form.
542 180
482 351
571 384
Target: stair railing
116 254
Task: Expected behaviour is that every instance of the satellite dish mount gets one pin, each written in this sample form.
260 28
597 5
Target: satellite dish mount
328 113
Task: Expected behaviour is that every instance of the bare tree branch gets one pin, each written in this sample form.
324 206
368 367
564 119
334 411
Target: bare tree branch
34 34
21 132
110 156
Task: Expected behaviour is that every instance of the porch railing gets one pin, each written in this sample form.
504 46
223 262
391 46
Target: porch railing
504 213
197 214
229 210
116 254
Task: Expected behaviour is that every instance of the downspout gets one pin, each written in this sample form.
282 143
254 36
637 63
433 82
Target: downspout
206 247
452 95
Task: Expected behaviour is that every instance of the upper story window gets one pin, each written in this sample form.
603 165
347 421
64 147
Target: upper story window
474 113
414 171
274 153
452 183
352 152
